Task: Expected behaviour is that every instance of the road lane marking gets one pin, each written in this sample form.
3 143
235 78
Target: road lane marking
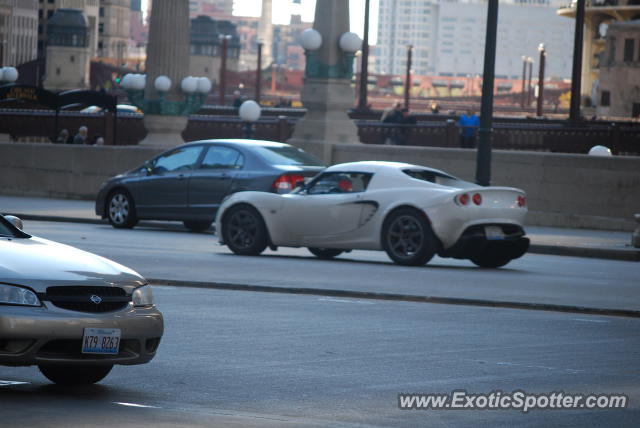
329 299
596 321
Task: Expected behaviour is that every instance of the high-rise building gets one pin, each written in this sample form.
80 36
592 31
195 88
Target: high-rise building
114 29
448 36
18 31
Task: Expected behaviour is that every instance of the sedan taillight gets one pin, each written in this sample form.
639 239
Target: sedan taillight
522 201
286 183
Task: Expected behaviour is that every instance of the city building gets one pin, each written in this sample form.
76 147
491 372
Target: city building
448 37
217 9
68 50
618 89
599 15
18 31
91 9
205 47
113 31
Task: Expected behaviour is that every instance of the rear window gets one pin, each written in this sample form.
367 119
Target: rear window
287 156
432 177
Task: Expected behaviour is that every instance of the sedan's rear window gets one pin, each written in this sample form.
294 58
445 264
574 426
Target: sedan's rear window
287 156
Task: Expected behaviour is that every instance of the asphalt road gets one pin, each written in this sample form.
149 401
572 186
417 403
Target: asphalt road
232 358
163 252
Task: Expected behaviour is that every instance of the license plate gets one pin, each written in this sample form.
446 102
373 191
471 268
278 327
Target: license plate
101 341
493 233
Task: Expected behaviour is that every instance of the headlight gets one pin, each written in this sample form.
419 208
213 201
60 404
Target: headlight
142 296
13 295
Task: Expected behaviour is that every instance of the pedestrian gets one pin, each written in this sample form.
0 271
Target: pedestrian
435 109
81 136
392 114
62 137
237 99
468 124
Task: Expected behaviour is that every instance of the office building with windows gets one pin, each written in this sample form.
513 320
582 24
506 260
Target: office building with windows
18 31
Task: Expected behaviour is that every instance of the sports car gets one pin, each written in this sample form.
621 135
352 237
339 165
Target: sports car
71 313
412 212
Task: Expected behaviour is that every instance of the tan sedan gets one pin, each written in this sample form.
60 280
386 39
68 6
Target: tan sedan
72 313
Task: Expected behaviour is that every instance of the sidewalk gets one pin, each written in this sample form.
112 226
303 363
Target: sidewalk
544 240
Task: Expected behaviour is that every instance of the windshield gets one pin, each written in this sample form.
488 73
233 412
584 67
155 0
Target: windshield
287 155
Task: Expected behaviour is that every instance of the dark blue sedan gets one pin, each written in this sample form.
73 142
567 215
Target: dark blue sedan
189 182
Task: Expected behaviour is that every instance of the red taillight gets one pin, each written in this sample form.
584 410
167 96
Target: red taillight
522 201
463 199
477 198
286 183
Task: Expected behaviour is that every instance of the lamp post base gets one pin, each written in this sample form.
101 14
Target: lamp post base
164 131
327 102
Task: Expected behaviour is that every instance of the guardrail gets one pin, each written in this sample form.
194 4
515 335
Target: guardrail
551 136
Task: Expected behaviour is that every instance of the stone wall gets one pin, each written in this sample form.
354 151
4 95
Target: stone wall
563 189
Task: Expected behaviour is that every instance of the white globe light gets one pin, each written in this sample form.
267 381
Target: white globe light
126 81
189 84
140 81
350 42
10 74
162 83
310 39
250 111
204 85
600 151
1 74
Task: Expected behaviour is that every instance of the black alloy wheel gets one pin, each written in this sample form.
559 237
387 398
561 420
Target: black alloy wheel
244 231
75 375
121 210
325 253
408 239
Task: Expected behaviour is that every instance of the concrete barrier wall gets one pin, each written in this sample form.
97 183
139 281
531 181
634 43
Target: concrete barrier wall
563 189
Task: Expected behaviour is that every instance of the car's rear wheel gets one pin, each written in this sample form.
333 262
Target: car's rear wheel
244 231
197 226
408 239
490 260
325 253
121 210
75 375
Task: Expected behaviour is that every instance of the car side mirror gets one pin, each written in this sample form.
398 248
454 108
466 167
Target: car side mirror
148 166
15 221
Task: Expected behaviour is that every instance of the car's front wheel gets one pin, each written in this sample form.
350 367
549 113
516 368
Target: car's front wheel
408 239
244 231
325 253
121 210
197 226
75 375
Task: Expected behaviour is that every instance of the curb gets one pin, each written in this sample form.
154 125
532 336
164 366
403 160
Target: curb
628 313
630 255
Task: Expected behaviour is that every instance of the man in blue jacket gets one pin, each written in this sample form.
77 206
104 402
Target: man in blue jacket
468 124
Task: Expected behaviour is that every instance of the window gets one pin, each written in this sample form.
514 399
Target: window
628 50
283 155
183 159
72 58
605 98
222 158
339 182
612 51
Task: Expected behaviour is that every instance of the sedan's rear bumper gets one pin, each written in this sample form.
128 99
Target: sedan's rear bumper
50 335
473 241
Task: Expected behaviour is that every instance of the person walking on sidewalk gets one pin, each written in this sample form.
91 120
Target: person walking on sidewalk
469 124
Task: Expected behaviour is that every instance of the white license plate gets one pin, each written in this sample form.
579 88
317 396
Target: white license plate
101 341
493 233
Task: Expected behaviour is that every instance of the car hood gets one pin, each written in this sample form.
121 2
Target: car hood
38 263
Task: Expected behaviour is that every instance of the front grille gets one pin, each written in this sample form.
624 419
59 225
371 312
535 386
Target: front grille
88 299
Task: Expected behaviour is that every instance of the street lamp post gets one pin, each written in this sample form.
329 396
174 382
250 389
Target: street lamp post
407 81
259 73
529 88
364 72
483 159
224 41
524 79
576 72
543 55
